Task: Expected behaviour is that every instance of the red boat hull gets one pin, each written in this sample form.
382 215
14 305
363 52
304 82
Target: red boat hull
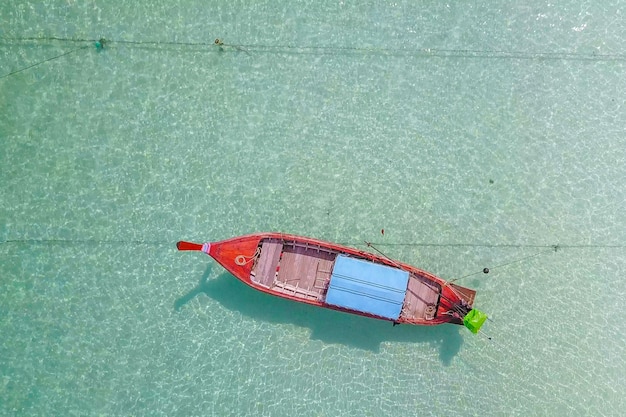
237 255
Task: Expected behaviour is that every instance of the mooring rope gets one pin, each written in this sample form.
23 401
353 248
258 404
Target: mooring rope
242 260
43 62
57 241
333 49
550 248
313 50
487 270
495 245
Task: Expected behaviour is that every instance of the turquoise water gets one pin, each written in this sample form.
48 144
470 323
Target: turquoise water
475 135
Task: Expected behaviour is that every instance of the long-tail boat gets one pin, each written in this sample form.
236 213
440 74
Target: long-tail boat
341 278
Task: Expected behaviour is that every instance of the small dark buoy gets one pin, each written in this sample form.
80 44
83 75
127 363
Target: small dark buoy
486 270
99 44
382 232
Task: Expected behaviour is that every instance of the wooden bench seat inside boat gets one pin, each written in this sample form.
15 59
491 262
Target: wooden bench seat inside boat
308 268
297 291
420 294
265 270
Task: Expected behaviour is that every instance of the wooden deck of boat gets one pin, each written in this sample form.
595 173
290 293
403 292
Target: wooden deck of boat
420 293
303 270
294 268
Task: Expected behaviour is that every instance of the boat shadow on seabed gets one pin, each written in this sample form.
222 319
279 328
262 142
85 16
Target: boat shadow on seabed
326 325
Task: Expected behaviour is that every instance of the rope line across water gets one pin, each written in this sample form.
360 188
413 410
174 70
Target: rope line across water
312 50
53 241
325 49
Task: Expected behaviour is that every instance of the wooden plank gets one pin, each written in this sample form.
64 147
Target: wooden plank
466 293
265 270
420 294
323 273
297 291
308 268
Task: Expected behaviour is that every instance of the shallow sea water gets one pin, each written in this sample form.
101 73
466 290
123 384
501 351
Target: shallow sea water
475 136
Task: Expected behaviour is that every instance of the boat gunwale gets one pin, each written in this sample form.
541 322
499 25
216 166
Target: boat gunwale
244 274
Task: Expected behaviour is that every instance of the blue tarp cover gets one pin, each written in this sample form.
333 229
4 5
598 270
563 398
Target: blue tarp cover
367 287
